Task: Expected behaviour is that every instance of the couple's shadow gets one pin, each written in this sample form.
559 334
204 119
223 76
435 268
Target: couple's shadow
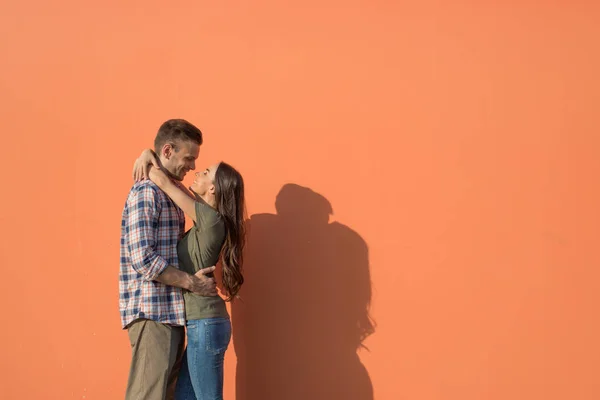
305 305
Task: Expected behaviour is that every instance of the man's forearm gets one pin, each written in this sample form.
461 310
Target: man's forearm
173 277
198 284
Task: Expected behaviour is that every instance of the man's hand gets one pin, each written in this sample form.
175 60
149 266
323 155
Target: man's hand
142 165
199 284
203 285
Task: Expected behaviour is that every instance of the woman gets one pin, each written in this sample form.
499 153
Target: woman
218 232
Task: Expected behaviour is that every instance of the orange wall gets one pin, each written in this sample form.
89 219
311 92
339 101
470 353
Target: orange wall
456 141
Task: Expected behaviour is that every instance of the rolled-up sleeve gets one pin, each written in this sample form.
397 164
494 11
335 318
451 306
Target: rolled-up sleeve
142 225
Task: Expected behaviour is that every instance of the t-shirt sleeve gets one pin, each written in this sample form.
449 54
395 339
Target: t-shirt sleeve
206 216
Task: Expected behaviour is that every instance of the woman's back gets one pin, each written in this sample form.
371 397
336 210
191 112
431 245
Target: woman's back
200 248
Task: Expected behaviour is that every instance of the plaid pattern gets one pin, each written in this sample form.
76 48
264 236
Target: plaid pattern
151 226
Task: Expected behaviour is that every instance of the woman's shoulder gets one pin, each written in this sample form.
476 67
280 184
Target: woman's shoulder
206 212
208 220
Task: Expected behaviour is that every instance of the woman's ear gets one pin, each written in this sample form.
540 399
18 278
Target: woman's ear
212 189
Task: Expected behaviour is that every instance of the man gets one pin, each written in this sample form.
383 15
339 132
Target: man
150 283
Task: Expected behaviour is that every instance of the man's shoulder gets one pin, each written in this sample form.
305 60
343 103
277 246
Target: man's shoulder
145 190
145 186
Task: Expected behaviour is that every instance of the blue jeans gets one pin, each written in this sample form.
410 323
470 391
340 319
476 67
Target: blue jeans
201 376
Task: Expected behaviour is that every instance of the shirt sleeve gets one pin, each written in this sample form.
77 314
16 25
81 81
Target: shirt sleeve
206 216
142 226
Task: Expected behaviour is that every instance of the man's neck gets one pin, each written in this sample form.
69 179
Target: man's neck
181 186
166 170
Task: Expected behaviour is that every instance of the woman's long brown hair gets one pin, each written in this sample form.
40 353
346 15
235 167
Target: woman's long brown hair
230 202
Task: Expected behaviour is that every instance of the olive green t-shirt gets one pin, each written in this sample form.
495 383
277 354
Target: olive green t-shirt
198 249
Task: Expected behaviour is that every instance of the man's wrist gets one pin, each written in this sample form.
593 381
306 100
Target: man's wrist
188 281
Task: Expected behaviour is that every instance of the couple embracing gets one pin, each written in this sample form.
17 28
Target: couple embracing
166 282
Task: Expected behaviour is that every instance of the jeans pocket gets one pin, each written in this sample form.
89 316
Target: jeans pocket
218 334
192 331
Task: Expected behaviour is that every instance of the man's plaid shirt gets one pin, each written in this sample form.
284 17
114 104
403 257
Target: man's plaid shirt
151 226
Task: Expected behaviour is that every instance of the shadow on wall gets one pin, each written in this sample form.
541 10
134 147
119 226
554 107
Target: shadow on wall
305 305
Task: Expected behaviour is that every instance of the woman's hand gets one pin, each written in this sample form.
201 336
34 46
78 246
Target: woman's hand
142 165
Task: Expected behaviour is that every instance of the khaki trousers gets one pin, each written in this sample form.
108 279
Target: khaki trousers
156 353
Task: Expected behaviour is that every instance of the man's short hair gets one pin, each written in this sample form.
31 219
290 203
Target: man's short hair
175 130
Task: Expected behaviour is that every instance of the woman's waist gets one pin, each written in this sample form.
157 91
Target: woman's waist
203 306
